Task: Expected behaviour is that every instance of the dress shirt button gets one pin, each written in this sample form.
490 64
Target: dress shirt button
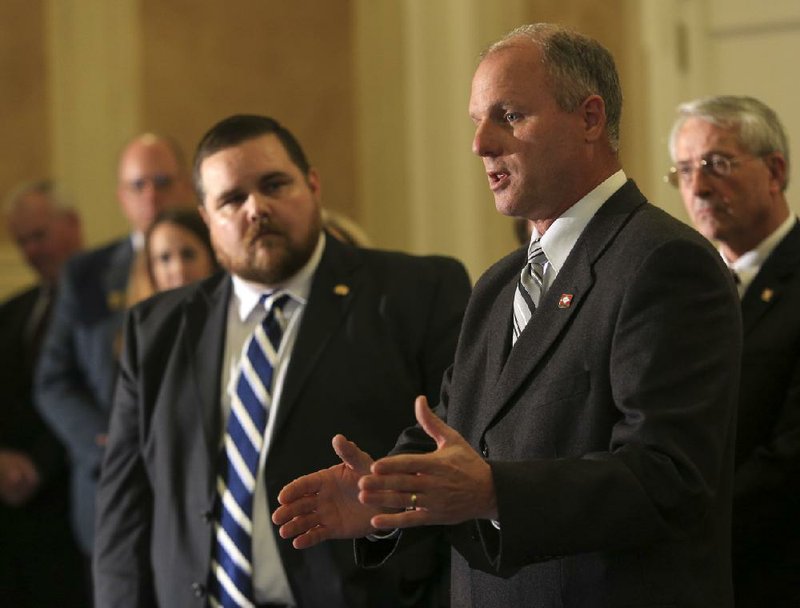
199 589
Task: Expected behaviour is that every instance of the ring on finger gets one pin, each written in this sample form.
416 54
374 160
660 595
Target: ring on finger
413 506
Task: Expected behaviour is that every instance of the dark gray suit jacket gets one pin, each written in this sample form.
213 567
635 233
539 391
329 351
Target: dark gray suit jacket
609 426
766 499
359 360
77 367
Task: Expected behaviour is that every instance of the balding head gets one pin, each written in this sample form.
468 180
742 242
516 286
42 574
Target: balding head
577 67
152 176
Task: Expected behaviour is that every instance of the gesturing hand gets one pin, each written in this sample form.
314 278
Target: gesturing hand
447 486
324 505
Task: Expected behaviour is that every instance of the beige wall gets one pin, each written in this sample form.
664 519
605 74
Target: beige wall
24 114
202 61
376 89
24 86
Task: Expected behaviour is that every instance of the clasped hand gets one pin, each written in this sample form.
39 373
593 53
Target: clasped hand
19 478
360 496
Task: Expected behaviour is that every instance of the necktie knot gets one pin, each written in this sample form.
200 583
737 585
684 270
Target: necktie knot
271 302
274 308
536 254
278 301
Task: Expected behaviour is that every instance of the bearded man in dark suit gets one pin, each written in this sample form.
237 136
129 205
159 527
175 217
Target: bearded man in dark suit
363 331
582 452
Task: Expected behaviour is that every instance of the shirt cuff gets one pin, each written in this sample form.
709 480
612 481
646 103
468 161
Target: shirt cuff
389 534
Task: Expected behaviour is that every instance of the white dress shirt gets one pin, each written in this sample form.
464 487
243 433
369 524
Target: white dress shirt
563 233
270 583
747 265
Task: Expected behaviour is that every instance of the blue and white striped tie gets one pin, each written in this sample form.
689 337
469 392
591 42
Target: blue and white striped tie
529 288
231 579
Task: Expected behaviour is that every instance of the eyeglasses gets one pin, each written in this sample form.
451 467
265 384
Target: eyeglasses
160 181
717 165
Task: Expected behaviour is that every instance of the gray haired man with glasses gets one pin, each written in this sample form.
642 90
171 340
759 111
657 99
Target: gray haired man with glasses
731 165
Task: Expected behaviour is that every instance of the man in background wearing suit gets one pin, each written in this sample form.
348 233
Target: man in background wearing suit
583 449
39 559
731 166
78 365
363 332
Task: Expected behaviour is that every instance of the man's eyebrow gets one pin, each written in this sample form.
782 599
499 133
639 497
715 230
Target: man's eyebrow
268 176
274 175
707 154
493 108
227 193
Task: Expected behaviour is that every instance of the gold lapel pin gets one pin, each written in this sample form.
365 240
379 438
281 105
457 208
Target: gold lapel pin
565 301
116 300
341 290
766 295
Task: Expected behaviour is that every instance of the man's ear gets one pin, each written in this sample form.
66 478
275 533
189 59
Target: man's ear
314 183
593 111
201 209
776 164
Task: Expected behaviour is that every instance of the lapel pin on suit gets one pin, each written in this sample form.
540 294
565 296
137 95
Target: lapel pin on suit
341 290
565 301
116 300
767 295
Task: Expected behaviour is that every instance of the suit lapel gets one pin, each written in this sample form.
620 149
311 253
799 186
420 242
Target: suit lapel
119 267
333 288
543 330
561 303
114 281
204 337
499 322
769 284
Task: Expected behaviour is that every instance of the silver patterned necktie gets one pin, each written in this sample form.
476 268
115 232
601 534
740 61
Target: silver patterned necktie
231 577
529 288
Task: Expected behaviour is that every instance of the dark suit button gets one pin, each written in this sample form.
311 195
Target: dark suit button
207 516
199 589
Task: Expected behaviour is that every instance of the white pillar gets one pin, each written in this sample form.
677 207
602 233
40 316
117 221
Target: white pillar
94 59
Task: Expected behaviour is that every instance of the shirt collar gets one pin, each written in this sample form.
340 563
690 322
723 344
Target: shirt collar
137 241
563 233
248 293
755 258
